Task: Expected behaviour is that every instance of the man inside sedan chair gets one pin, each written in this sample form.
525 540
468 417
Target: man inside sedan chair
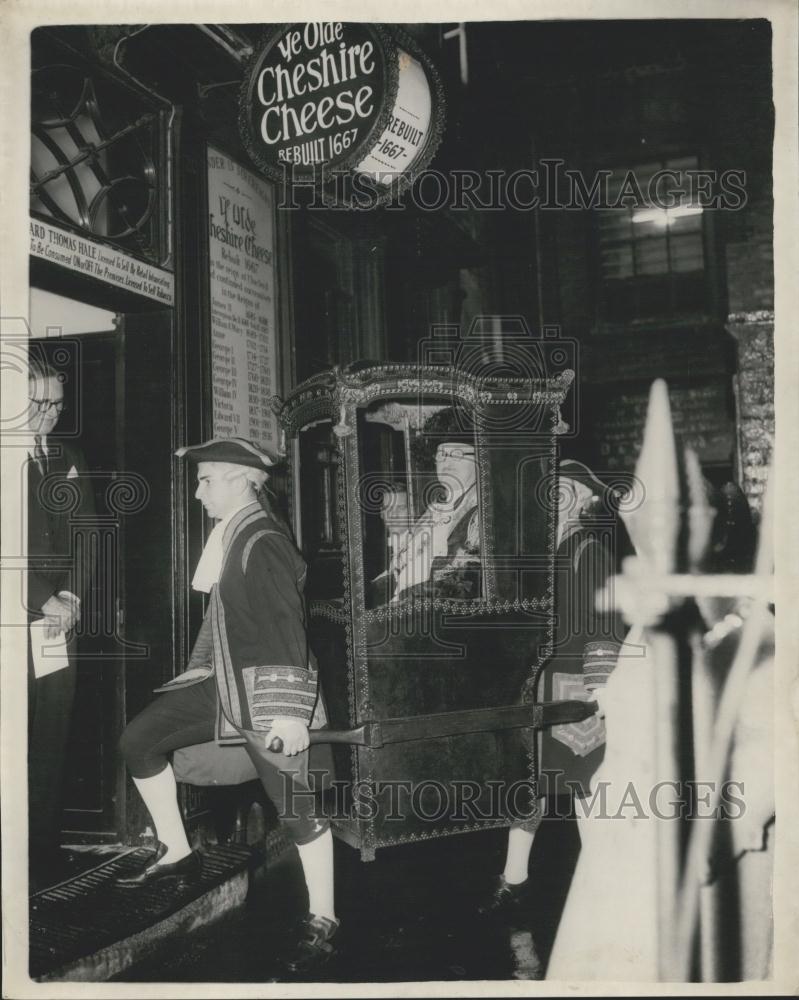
249 675
440 555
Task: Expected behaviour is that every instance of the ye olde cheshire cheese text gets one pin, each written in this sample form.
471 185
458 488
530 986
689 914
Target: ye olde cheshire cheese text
334 64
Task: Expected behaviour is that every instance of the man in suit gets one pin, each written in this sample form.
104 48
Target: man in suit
56 489
250 678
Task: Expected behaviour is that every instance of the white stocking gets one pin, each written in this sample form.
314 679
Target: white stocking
520 843
317 866
160 795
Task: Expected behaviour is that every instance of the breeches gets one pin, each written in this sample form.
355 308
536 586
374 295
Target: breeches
181 718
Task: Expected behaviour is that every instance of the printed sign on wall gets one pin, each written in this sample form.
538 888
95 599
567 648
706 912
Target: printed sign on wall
241 242
100 261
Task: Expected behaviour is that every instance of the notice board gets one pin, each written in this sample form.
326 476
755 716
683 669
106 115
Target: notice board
701 416
242 280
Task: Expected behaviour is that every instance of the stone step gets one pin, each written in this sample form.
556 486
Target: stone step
87 929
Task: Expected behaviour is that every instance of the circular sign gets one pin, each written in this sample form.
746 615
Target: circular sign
356 111
316 97
408 125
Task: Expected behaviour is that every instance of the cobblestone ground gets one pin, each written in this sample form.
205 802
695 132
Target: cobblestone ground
407 916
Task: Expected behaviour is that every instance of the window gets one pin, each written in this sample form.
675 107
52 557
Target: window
651 242
97 163
419 504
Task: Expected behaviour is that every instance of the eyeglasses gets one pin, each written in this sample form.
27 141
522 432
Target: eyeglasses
443 452
45 405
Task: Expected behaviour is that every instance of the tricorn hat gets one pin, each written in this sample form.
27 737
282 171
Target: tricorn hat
234 451
569 468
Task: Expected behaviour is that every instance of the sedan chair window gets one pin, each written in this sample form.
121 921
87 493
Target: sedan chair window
420 505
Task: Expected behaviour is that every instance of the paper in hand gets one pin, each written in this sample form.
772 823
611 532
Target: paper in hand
48 655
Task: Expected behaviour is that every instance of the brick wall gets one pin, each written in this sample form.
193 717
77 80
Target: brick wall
754 333
750 292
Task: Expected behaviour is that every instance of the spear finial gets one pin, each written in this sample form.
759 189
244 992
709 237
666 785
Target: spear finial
700 513
654 526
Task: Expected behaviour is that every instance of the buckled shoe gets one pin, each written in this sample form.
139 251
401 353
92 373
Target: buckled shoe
185 870
315 944
503 899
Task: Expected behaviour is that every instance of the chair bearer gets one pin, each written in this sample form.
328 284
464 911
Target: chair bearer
250 676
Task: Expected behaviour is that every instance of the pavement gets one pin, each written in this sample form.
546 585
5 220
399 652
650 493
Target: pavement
407 916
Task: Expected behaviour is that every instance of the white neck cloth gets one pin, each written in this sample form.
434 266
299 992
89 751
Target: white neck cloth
210 565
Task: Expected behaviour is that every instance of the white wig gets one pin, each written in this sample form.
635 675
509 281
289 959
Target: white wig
256 477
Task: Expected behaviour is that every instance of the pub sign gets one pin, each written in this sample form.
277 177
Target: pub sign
324 101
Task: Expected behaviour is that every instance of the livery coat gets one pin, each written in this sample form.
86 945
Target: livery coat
586 648
253 635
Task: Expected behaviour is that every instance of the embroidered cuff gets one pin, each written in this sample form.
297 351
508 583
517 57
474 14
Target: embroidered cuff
281 692
599 659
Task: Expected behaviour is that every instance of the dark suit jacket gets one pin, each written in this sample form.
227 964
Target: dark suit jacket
53 501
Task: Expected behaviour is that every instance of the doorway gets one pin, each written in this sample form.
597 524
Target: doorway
118 413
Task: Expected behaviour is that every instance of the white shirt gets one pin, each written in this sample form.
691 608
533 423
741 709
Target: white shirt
30 443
